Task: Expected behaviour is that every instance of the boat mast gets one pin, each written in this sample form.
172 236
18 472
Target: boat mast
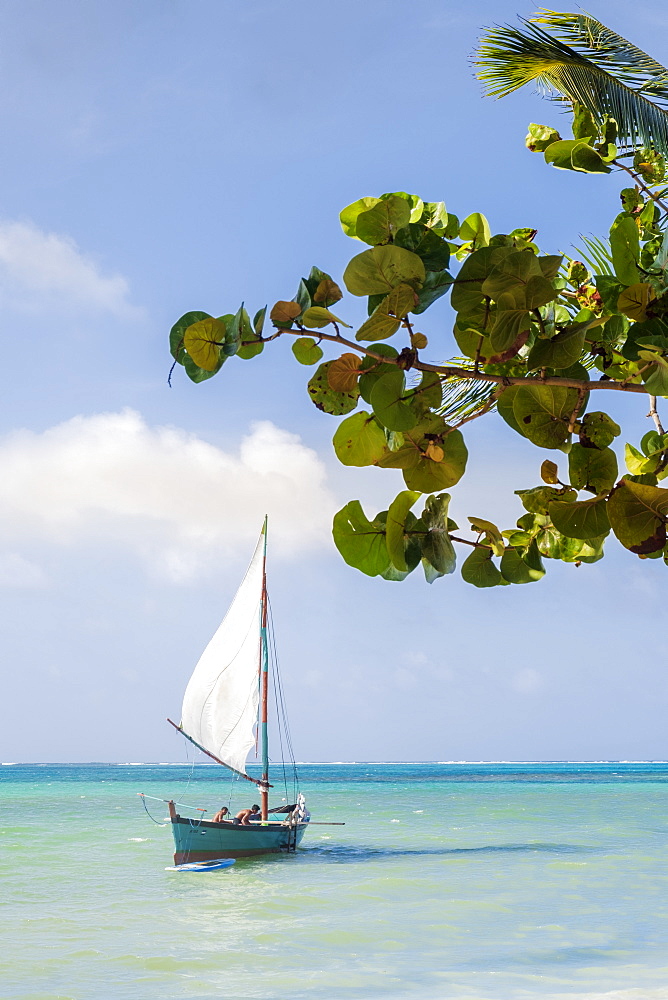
264 685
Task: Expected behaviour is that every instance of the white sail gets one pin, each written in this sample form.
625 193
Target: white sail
221 700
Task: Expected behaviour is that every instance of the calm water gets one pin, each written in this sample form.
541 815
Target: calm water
484 882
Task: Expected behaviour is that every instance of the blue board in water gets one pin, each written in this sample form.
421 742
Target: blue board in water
202 866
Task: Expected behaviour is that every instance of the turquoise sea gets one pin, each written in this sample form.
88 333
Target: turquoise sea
475 881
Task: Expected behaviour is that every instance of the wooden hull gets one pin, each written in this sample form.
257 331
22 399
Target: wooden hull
197 840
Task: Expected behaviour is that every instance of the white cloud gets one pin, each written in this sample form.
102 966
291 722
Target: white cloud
42 271
17 571
169 497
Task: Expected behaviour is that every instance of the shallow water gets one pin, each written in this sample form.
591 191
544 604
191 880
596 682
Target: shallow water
471 882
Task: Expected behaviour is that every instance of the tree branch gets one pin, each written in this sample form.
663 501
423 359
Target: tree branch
643 187
653 413
457 372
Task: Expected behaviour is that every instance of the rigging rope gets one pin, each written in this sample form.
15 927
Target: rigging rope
149 815
283 723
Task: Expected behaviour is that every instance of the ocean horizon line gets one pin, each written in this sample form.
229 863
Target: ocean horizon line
318 763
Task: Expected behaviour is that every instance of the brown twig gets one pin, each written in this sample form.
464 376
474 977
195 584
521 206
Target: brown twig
576 410
643 187
653 413
455 371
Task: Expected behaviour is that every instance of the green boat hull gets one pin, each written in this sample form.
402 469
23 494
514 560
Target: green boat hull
199 840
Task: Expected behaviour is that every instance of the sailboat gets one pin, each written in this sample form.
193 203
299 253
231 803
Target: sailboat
224 708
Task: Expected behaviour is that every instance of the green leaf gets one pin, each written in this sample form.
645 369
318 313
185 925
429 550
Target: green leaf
432 249
395 527
592 469
203 341
542 412
435 284
583 122
509 325
429 393
540 137
598 430
371 369
538 499
479 569
327 399
422 472
177 332
361 542
638 516
238 329
550 265
379 326
438 554
318 316
581 519
513 271
635 300
656 378
197 374
414 201
306 351
625 246
587 160
475 229
350 214
379 223
561 351
559 153
381 269
384 321
359 440
467 295
504 407
492 534
516 569
389 404
251 345
637 463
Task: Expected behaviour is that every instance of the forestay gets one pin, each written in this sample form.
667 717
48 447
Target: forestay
221 700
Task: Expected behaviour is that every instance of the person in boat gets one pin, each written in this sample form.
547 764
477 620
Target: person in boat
221 815
246 815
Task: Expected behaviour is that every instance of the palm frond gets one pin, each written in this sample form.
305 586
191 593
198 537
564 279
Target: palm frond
464 398
509 58
620 56
597 256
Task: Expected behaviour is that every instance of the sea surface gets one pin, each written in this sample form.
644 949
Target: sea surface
453 880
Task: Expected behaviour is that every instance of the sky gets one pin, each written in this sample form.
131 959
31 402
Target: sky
193 154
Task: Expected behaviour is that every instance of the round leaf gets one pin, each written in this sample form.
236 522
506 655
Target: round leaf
203 341
343 373
479 569
359 440
176 345
638 516
389 404
306 351
381 269
582 519
327 399
283 313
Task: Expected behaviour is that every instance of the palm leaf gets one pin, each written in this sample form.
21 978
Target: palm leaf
463 397
599 43
611 80
598 256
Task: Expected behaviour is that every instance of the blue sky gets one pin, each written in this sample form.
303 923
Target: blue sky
173 155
